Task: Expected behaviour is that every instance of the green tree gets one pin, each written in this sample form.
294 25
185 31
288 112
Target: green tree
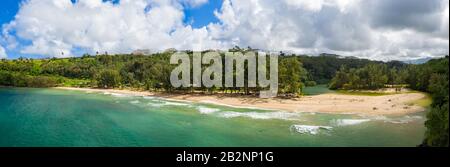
291 76
340 79
108 79
437 126
376 78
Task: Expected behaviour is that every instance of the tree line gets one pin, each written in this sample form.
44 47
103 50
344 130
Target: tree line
150 72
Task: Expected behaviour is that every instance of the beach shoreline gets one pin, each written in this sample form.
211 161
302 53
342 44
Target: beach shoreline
331 103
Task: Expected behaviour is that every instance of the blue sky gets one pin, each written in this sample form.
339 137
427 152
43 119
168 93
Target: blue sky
376 29
203 15
8 10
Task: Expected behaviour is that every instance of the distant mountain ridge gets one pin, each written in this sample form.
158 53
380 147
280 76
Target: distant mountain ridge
418 61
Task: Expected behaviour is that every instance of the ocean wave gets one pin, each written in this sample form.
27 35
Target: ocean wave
261 115
206 110
234 106
177 100
117 94
398 120
175 103
135 102
347 122
150 97
309 129
394 120
155 104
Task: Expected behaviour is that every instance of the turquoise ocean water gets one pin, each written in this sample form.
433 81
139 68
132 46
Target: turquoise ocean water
53 118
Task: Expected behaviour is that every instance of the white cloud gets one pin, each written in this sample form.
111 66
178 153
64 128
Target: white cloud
382 30
194 3
55 26
309 5
2 53
341 26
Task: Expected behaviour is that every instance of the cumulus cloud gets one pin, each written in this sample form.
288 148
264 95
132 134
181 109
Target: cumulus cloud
57 26
2 53
300 26
381 29
403 14
194 3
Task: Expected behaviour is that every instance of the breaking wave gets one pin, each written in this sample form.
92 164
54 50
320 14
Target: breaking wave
117 94
234 106
309 129
347 122
156 104
135 102
399 120
150 97
166 103
175 104
262 115
206 110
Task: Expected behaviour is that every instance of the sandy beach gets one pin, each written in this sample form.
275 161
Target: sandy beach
395 104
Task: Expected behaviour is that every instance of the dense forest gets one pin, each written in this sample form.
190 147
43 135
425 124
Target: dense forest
141 72
152 72
322 68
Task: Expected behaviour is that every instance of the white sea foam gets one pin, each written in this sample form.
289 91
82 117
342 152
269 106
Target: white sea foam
156 104
206 110
117 94
149 97
404 120
175 103
309 129
261 115
135 102
398 120
346 122
234 106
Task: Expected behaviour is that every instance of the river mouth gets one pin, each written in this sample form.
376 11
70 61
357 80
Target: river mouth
52 118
